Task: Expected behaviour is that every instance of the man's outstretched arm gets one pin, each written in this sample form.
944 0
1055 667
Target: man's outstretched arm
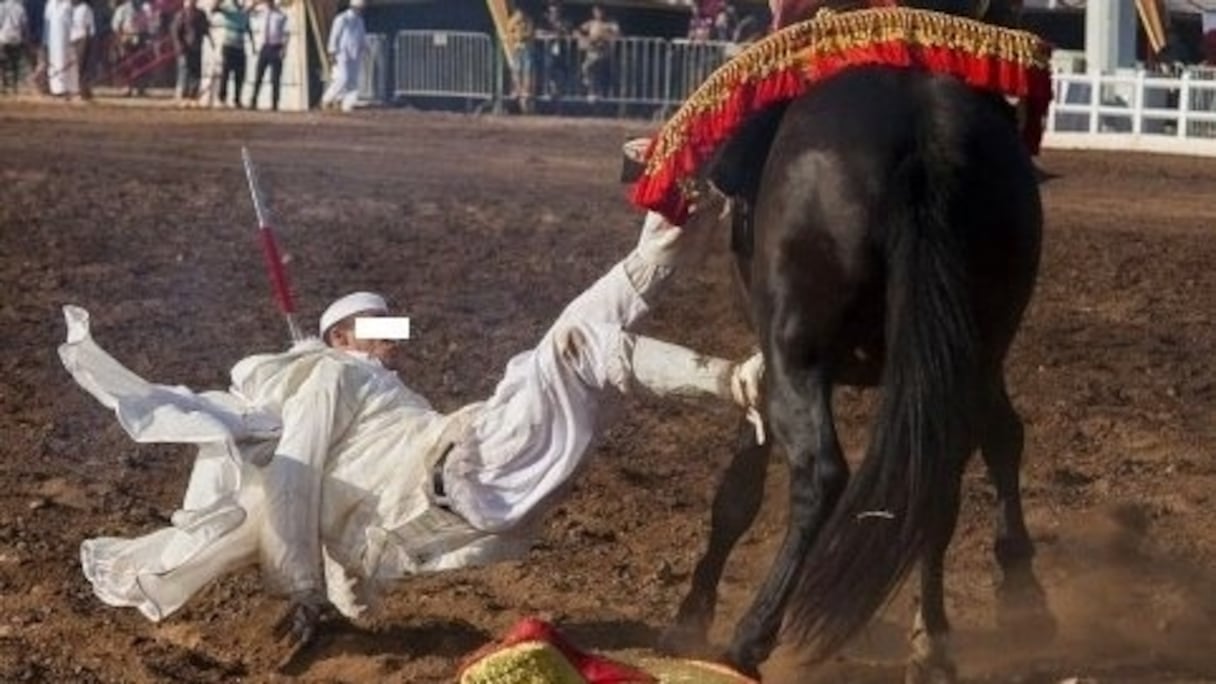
670 370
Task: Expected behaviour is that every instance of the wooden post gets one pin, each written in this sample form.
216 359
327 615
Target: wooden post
1150 18
500 10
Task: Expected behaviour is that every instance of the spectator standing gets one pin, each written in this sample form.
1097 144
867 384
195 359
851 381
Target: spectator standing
190 27
1209 38
236 32
749 29
598 34
700 25
521 32
83 28
129 24
270 29
347 45
725 21
60 65
14 31
554 30
786 12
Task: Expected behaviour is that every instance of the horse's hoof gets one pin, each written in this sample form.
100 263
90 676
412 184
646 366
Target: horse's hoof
685 639
741 662
930 672
1022 612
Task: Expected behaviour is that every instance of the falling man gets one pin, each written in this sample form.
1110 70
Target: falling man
324 467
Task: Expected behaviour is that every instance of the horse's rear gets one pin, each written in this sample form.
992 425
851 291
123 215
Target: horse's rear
897 230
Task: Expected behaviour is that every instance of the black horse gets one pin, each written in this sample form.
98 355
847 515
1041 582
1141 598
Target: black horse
895 240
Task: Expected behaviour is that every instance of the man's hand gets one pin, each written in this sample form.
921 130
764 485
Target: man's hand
747 381
298 626
747 389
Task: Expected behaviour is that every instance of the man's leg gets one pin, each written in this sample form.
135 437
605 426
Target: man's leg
10 57
194 73
159 572
333 91
276 77
350 84
239 69
182 77
225 73
141 81
258 72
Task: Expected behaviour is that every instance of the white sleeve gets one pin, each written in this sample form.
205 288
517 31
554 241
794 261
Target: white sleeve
335 33
291 541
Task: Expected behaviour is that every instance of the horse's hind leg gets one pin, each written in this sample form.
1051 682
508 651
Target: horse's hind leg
735 506
1021 602
931 661
800 414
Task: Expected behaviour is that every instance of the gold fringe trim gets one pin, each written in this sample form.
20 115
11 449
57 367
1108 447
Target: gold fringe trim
798 48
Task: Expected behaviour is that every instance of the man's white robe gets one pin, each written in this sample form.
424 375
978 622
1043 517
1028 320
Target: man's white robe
347 43
317 458
62 75
376 522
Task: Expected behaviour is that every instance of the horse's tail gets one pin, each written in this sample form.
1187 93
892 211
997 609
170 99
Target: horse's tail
879 527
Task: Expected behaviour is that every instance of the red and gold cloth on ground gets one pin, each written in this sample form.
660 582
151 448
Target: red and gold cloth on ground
786 64
534 652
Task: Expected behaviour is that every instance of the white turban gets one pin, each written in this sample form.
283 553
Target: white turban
351 304
358 4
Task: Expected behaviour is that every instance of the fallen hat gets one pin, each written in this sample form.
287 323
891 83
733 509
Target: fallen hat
351 304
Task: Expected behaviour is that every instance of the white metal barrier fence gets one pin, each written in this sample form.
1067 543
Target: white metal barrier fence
454 64
625 71
691 63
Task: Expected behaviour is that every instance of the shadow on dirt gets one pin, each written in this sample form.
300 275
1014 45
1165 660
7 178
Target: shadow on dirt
611 635
1127 611
445 638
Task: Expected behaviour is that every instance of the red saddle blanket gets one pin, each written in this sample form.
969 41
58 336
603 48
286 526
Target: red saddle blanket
786 64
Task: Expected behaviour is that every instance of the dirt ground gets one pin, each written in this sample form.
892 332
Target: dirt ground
481 229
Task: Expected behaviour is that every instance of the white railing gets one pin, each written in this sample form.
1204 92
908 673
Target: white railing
1135 111
451 64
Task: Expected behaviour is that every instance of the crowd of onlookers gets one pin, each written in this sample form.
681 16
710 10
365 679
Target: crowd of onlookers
62 47
554 57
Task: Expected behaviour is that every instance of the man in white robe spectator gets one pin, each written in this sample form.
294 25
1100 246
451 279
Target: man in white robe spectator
60 62
81 37
347 46
367 483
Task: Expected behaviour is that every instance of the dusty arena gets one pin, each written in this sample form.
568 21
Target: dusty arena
481 229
